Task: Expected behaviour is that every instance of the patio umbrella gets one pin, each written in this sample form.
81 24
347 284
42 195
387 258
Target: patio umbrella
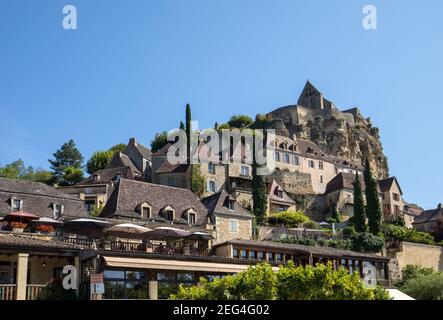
127 230
167 233
199 236
84 226
21 216
46 220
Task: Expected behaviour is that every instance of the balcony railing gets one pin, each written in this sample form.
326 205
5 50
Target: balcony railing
33 291
134 247
7 291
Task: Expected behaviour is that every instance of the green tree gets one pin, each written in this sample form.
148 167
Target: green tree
98 161
425 286
367 242
335 214
160 140
197 181
182 126
188 130
259 196
18 170
260 282
71 175
120 147
373 208
359 218
67 156
240 121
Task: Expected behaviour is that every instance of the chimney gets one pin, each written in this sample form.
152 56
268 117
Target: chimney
133 141
439 207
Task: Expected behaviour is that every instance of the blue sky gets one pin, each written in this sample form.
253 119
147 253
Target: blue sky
131 67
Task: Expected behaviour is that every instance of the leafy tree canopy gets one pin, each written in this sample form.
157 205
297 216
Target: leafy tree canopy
240 121
68 156
160 140
290 219
18 170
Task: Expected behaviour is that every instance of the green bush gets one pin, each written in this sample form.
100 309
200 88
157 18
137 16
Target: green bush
311 225
367 242
290 219
321 282
400 233
425 286
349 231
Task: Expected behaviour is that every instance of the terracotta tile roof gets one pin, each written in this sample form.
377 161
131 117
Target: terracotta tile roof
38 198
128 195
217 203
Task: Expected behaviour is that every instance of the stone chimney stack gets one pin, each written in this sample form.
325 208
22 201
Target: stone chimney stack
439 207
133 141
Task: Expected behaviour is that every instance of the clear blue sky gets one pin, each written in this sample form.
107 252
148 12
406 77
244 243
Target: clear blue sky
132 66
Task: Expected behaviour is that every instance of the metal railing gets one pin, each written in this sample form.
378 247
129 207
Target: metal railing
7 291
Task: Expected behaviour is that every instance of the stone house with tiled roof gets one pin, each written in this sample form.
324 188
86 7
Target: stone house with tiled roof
230 218
430 221
392 200
39 199
153 203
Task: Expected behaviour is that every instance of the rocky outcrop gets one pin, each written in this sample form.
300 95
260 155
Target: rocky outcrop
345 134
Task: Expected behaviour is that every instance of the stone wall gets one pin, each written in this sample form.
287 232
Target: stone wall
423 255
223 230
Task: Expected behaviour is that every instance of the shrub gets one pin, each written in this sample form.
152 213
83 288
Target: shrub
400 233
321 282
349 231
311 225
366 242
288 218
425 286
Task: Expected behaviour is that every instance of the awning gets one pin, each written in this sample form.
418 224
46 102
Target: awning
177 265
396 294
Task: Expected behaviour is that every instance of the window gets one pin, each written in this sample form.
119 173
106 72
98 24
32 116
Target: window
270 256
171 182
89 205
235 253
321 179
245 171
295 160
320 165
231 205
396 197
279 193
397 209
212 186
243 254
58 210
169 215
261 255
211 168
279 257
146 212
252 255
277 156
233 225
16 205
191 218
286 158
311 164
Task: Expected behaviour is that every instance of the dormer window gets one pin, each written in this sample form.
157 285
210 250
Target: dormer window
58 210
145 211
192 218
95 177
169 213
231 205
279 192
16 205
117 177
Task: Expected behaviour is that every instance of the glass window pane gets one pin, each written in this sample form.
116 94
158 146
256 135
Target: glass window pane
114 274
185 277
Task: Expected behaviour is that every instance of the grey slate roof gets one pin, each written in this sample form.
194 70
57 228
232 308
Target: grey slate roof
386 184
38 198
122 160
272 189
105 176
429 215
217 203
22 240
128 195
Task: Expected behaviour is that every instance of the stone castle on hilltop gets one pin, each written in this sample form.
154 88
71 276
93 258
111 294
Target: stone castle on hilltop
345 134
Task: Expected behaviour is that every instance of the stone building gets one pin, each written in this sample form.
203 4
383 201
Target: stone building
134 163
39 199
231 220
430 221
392 200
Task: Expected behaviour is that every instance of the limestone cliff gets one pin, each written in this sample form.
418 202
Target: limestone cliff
345 134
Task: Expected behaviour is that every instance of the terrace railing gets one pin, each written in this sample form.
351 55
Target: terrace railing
33 291
7 291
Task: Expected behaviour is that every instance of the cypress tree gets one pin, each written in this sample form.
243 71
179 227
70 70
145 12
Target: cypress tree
182 126
259 197
188 129
373 209
359 207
